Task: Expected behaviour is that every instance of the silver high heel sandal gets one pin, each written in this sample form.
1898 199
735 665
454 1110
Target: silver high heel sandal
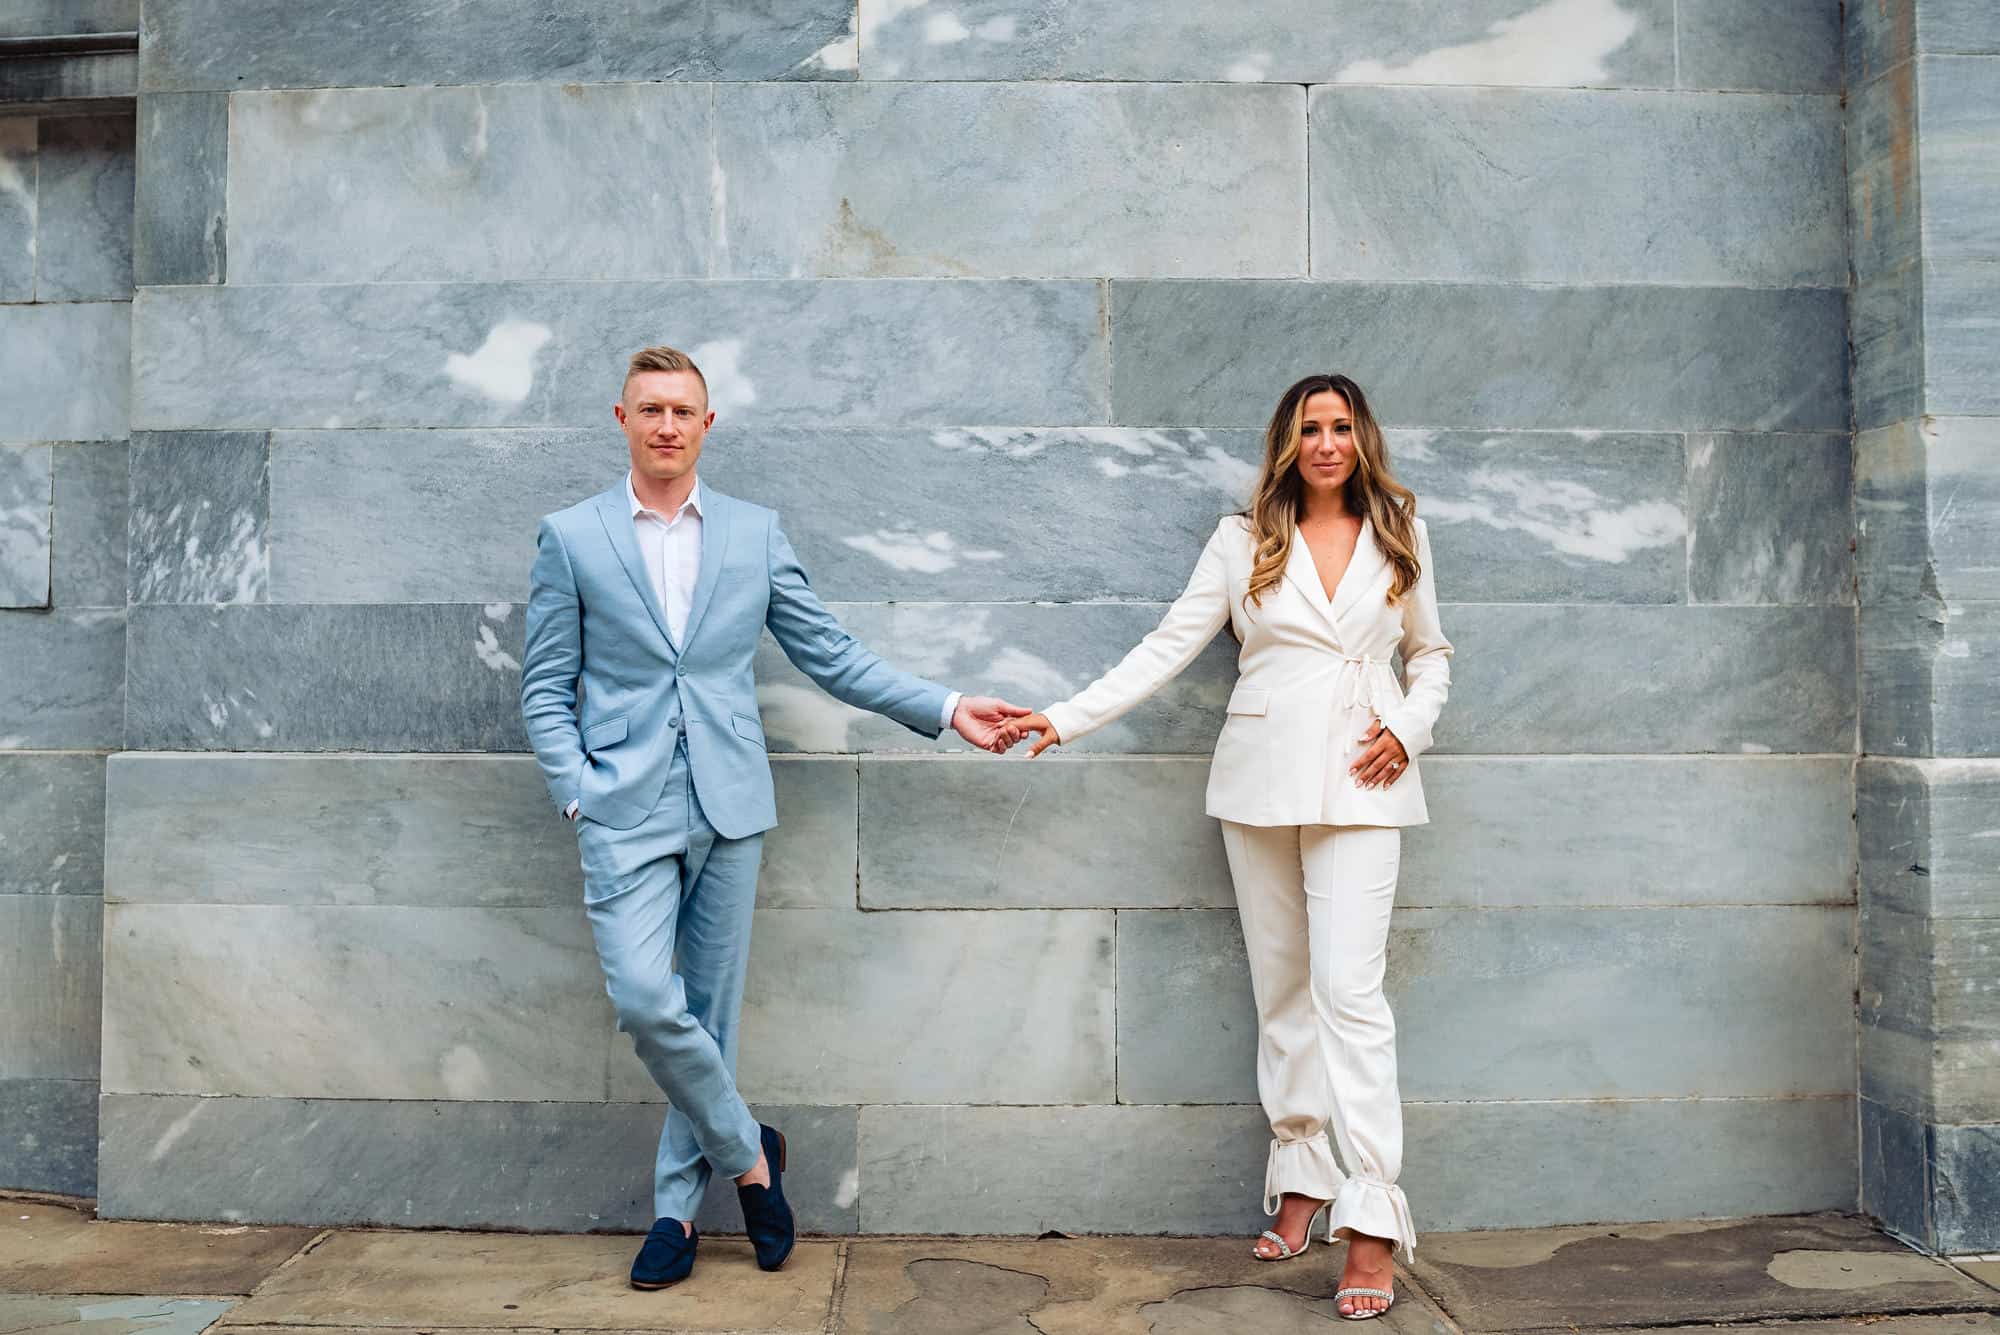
1372 1313
1285 1252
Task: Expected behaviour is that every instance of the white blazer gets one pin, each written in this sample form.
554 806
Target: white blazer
1312 674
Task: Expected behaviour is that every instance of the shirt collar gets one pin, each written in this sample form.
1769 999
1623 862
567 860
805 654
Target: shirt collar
639 507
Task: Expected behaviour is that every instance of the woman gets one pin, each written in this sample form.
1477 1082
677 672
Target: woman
1324 578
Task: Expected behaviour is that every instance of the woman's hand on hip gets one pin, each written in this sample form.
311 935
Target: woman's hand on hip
1018 728
1382 763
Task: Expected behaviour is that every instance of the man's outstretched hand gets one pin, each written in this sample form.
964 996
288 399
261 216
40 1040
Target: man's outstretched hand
982 720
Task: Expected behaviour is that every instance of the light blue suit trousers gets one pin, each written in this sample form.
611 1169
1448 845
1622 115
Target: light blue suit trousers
661 746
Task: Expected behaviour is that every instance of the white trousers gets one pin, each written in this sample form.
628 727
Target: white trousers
1315 903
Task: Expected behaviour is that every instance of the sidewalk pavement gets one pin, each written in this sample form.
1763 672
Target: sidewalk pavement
65 1273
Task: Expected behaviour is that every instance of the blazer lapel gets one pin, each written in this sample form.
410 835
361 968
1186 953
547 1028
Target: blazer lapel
1304 577
617 521
1362 569
714 543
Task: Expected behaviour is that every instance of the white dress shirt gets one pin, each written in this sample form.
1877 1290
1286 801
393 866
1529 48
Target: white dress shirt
670 545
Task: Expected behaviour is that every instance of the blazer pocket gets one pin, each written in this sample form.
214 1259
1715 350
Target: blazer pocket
1249 700
747 728
600 735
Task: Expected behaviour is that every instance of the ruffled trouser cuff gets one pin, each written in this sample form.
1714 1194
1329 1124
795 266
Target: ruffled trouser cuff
1377 1208
1360 1204
1301 1167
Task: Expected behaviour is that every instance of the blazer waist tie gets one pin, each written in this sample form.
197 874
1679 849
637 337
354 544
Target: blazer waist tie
1362 685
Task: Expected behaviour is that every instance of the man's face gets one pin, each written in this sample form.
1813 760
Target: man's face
665 416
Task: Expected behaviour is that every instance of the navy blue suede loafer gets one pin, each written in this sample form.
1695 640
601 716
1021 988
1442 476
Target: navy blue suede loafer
767 1216
667 1256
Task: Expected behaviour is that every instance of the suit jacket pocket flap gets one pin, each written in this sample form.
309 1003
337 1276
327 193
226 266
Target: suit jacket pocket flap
603 734
746 727
1249 700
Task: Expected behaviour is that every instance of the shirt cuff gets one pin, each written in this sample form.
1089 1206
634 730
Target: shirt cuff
950 708
570 810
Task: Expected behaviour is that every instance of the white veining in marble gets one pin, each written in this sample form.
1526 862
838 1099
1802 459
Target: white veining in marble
236 572
503 368
924 553
486 647
721 363
1556 44
1573 519
843 54
810 720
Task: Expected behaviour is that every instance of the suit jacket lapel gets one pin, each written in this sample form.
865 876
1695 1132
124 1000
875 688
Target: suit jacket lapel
1361 571
1304 576
617 519
715 514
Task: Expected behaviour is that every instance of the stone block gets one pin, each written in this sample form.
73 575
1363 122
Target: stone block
1888 347
1894 537
1962 468
180 231
1770 519
1532 516
1031 654
409 677
425 355
1555 43
1878 37
1897 1066
1646 358
83 246
1015 1170
548 1167
1100 832
1959 25
383 517
1895 1170
1966 1183
17 208
88 559
50 949
48 1135
470 184
1775 45
54 843
200 517
1460 185
1926 827
1898 953
190 45
44 18
26 499
1631 831
846 1007
1927 684
420 831
1882 187
65 688
66 371
1961 340
1144 180
1187 1028
353 1002
1649 679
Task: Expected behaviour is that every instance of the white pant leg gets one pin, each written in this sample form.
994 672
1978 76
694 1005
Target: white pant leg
1291 1058
1350 888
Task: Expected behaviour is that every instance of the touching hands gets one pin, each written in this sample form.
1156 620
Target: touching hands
1383 762
985 721
1018 728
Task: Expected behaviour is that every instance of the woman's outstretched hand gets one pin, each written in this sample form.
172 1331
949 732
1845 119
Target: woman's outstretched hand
1382 763
1017 728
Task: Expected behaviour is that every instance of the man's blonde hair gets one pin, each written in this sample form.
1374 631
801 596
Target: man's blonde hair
662 358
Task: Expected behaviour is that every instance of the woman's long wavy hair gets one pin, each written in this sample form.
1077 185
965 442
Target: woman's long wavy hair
1371 490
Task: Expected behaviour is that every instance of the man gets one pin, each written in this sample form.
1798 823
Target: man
649 600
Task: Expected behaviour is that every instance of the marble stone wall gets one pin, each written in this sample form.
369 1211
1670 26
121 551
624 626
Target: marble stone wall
994 299
66 188
1924 191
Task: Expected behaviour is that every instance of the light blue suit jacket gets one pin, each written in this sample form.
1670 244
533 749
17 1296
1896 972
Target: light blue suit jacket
606 692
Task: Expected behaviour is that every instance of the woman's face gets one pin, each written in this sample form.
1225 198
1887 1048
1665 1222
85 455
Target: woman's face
1326 442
